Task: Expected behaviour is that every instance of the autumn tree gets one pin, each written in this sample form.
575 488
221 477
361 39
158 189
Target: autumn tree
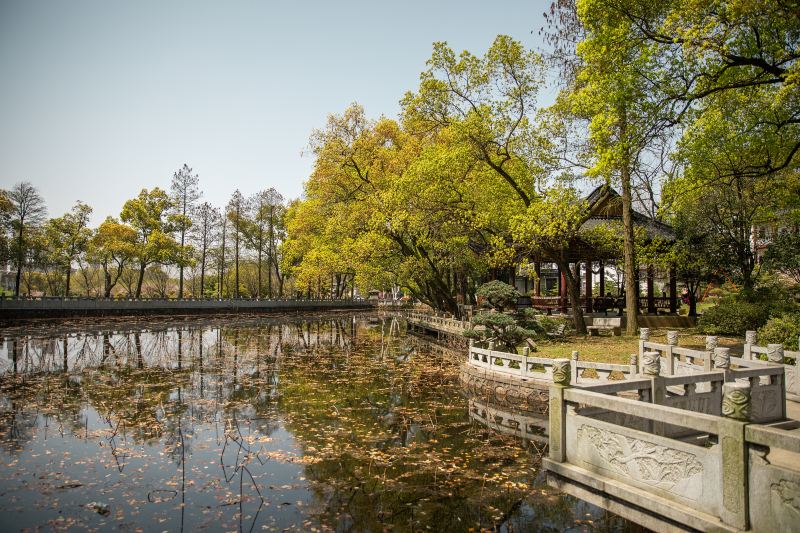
148 215
68 237
113 247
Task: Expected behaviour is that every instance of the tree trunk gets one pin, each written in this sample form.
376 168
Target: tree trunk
629 251
69 275
20 257
574 289
141 279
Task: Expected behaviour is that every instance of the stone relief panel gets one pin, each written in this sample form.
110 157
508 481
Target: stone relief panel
669 469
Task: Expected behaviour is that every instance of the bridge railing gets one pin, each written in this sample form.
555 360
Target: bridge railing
775 353
442 323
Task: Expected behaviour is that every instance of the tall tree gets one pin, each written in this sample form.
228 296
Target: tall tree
28 212
236 215
205 233
185 194
147 214
68 237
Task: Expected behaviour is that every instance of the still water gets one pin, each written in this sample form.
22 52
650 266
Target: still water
334 423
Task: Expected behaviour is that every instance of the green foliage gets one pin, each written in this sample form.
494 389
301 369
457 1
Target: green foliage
784 329
499 295
504 329
733 317
783 255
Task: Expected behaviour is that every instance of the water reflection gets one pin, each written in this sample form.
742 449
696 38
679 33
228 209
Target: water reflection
338 423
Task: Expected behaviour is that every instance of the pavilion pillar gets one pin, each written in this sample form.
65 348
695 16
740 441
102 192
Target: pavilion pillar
562 290
673 290
537 283
588 286
602 278
651 302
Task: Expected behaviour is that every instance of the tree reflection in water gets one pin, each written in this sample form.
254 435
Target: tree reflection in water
335 423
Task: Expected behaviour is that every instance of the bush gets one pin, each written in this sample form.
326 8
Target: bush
500 295
733 317
781 330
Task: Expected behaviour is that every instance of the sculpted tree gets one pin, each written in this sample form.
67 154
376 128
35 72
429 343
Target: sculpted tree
185 193
68 237
147 214
28 211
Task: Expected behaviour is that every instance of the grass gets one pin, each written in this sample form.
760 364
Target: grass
607 349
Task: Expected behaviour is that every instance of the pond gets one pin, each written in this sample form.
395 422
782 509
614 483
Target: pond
330 423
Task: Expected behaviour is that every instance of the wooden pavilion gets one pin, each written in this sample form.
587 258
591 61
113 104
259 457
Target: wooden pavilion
605 206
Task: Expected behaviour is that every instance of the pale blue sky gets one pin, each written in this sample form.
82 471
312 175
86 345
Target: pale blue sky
101 98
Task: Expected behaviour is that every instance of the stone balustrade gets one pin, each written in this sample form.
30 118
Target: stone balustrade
658 457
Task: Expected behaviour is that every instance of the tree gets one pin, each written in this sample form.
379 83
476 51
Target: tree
28 212
113 247
185 193
236 215
260 231
147 214
205 232
68 237
717 155
783 255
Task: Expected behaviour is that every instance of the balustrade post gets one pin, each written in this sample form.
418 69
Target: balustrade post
558 410
573 369
672 340
775 353
711 345
722 361
736 408
644 336
524 366
634 364
750 340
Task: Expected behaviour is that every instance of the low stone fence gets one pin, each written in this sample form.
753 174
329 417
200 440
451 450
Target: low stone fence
443 324
677 360
512 422
674 460
541 368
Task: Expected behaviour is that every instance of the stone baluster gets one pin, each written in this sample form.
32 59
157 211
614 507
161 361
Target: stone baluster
711 344
644 336
672 340
750 340
651 363
775 353
634 363
558 410
573 375
736 402
736 410
722 361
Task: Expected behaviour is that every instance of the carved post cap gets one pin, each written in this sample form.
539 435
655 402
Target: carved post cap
651 363
644 334
775 353
491 345
722 358
471 343
672 338
561 372
711 343
575 355
634 359
526 351
750 337
736 401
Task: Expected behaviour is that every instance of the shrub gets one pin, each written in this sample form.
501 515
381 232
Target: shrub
783 329
500 295
733 317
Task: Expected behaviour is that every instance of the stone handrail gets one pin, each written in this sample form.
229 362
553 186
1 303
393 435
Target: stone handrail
441 323
632 452
541 368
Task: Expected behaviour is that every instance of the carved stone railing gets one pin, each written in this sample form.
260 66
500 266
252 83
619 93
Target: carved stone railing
775 353
541 368
677 360
629 448
449 325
